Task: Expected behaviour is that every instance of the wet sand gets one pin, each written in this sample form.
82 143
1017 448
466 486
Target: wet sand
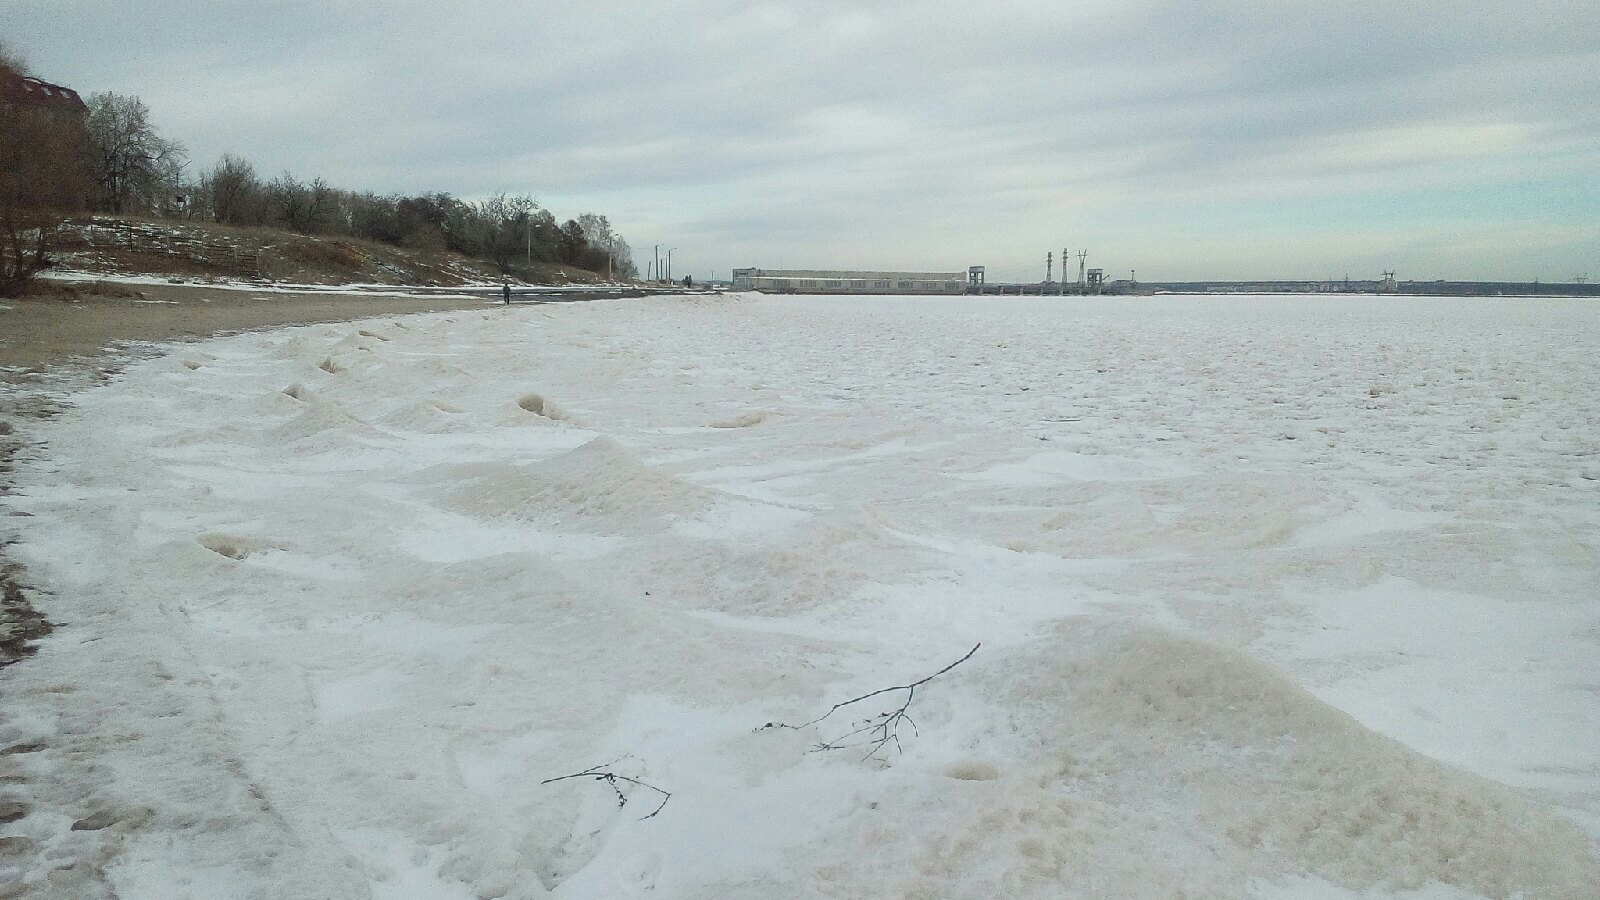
40 332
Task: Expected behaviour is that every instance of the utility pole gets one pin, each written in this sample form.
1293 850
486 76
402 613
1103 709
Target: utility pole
669 264
1083 284
530 242
657 268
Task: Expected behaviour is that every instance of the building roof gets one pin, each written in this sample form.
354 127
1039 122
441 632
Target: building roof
857 275
27 91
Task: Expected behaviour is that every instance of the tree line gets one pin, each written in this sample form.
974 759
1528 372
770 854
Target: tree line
113 160
503 229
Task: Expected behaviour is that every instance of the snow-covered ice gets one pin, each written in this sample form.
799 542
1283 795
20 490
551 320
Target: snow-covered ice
1292 597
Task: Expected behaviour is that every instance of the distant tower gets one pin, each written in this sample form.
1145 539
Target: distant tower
1049 266
975 279
1062 288
1082 281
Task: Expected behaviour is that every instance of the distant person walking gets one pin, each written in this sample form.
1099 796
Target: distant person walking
505 292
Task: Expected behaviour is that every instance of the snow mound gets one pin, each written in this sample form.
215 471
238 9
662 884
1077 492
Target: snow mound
299 343
539 406
233 546
425 417
436 367
598 486
323 423
359 341
743 420
1180 516
1155 765
824 560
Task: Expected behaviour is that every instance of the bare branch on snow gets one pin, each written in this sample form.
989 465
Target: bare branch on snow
882 729
604 773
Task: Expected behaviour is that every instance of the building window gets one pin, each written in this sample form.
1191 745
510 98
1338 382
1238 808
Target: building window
905 285
881 285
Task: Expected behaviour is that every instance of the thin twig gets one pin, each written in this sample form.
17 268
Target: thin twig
882 729
603 773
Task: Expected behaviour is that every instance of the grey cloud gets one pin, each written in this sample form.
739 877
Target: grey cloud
826 129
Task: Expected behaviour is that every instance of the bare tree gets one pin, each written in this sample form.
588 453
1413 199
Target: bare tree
501 228
596 229
600 241
234 193
133 169
574 243
301 207
127 155
613 253
172 197
42 180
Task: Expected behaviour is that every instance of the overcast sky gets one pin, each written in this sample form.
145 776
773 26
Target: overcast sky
1182 139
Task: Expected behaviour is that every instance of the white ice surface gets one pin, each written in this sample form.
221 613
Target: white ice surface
1278 597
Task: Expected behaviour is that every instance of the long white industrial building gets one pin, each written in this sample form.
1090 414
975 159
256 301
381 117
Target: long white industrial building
818 281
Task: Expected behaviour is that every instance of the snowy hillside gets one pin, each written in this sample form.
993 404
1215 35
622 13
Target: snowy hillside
1276 597
105 246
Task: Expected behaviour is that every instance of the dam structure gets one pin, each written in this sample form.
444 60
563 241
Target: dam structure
824 281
